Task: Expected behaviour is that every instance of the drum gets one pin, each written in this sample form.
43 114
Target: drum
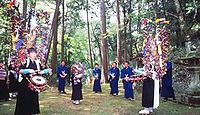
37 83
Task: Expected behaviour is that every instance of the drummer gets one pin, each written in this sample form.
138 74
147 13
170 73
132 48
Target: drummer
27 99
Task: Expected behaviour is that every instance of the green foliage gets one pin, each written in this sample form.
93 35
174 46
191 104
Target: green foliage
78 46
73 18
5 39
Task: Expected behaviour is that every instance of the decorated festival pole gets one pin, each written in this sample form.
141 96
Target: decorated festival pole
155 53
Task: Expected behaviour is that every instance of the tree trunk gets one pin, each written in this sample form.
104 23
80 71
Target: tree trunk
89 40
129 31
139 22
180 24
63 30
55 42
104 44
118 35
125 27
98 44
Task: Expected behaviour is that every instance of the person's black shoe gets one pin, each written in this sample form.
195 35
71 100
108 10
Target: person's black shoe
165 100
64 92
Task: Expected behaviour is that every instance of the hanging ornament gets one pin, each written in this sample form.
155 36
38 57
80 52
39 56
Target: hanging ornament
155 46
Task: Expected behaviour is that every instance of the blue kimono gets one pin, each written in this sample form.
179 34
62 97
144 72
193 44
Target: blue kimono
97 81
114 81
128 85
167 90
62 81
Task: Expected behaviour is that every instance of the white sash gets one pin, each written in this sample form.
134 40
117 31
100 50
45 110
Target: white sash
156 91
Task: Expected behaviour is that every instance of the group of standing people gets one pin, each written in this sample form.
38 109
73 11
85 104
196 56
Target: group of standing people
114 75
148 91
28 100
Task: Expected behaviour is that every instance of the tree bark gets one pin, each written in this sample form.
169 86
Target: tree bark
129 31
118 35
139 23
63 30
89 40
104 44
125 28
180 24
55 42
98 44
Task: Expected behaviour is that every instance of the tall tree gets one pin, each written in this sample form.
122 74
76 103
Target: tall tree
104 44
88 32
63 30
54 32
96 39
118 34
129 29
125 28
180 23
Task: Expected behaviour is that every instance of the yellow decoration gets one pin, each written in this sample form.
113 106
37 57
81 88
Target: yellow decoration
157 20
14 40
167 22
159 49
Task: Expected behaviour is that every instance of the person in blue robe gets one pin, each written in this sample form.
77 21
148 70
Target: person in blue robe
114 78
62 72
126 74
97 80
167 90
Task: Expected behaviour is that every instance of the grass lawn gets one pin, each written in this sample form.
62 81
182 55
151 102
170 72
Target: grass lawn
52 103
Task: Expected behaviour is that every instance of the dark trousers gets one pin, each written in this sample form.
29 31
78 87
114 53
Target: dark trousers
27 100
61 84
148 92
114 87
97 85
77 92
3 90
128 90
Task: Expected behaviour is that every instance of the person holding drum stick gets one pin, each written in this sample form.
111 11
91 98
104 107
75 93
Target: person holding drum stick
27 99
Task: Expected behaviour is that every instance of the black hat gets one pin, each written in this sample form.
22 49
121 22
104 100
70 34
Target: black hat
31 50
